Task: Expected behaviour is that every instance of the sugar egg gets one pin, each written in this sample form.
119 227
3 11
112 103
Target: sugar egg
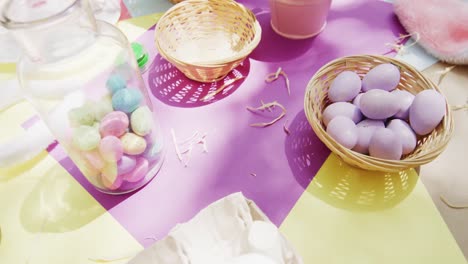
405 99
384 77
341 109
379 104
344 87
426 112
366 129
344 131
407 135
385 144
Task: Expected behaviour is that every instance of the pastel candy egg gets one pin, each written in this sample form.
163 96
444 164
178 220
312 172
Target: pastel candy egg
110 178
341 109
126 100
153 151
111 148
379 104
407 135
126 164
139 172
384 77
102 108
94 158
81 116
86 138
133 144
426 112
115 83
344 131
88 170
405 100
344 87
385 144
141 121
114 124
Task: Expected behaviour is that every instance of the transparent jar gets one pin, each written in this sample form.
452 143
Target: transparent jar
82 77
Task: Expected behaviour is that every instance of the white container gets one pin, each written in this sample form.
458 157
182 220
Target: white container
220 234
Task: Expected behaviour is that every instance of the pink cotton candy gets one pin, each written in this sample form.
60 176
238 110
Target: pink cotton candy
111 148
441 25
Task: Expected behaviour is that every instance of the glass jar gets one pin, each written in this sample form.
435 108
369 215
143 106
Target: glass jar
299 19
82 77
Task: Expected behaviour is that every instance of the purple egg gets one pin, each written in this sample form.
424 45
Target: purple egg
126 164
341 109
385 144
426 112
384 77
357 100
344 87
406 134
344 131
371 123
366 129
379 104
405 100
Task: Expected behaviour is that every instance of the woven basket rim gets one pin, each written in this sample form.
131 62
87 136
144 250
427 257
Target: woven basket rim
246 50
373 163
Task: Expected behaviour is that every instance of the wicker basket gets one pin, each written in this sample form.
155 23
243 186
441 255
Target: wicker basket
206 39
176 1
428 147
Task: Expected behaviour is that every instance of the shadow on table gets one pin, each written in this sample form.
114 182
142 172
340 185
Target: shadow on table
304 150
275 48
58 204
9 173
337 183
354 189
376 13
172 87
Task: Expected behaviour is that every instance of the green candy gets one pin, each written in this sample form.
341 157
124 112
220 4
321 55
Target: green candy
141 121
81 116
102 108
86 137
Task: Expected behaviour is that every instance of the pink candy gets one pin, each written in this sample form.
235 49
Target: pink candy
138 173
114 124
111 148
126 164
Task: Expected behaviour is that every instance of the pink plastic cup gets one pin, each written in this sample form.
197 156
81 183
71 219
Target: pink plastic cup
299 19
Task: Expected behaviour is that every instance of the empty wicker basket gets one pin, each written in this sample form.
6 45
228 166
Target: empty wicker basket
206 39
316 99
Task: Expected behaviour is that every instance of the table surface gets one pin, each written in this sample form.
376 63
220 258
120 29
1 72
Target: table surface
331 212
